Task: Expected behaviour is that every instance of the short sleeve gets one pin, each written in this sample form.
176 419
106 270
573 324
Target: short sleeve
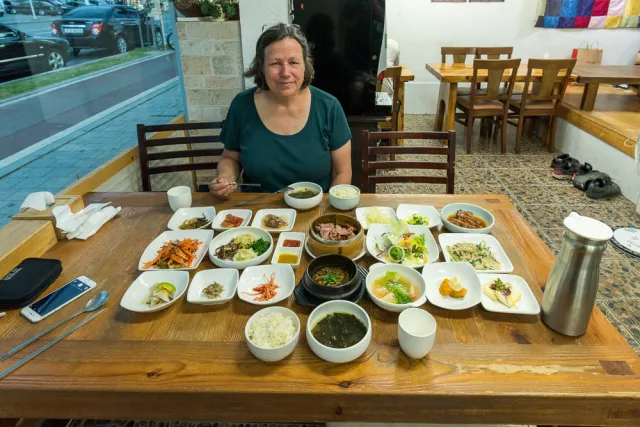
230 134
340 132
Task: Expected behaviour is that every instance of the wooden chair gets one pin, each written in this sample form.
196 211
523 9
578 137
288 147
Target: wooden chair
392 73
146 157
459 56
493 100
493 52
370 164
542 97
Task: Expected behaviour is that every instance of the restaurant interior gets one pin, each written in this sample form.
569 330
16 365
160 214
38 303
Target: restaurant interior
481 268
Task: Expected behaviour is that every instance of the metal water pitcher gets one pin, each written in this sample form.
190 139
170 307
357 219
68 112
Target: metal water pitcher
570 293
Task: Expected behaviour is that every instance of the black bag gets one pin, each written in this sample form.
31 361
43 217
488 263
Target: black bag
27 281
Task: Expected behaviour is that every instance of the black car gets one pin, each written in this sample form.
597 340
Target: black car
9 6
117 28
21 53
40 7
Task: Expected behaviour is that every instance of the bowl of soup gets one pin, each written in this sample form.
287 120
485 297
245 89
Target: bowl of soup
339 331
304 196
467 218
395 287
331 277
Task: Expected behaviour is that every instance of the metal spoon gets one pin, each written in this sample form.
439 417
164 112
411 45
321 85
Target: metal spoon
282 190
93 304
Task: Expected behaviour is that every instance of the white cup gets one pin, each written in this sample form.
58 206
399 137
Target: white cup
416 332
179 197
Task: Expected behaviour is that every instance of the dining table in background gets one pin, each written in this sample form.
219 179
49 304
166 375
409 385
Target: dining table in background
191 362
592 76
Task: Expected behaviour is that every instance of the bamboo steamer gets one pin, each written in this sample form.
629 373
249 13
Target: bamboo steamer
351 248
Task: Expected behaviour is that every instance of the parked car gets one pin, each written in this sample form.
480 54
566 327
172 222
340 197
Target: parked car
21 53
9 6
116 28
2 8
40 7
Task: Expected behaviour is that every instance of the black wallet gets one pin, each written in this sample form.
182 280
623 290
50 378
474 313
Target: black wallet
29 279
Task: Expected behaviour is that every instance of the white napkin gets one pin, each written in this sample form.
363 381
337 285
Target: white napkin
38 201
85 223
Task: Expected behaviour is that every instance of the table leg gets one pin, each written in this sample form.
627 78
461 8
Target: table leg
589 96
450 118
446 109
401 111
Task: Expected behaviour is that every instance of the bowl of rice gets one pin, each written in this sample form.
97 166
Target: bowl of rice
344 196
272 333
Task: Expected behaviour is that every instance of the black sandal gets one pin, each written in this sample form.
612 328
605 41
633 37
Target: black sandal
603 188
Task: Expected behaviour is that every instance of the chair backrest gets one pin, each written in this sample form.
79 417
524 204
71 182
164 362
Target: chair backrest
552 83
459 54
146 157
501 74
493 52
394 74
369 166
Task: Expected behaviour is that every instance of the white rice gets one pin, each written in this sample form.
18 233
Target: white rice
344 192
271 330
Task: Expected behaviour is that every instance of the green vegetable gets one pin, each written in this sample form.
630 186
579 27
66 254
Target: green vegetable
396 253
399 292
260 246
418 220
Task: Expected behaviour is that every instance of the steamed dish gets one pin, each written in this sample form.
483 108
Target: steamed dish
478 255
339 330
274 221
502 292
242 248
467 219
194 223
452 288
400 246
303 193
375 216
271 330
331 276
175 254
161 293
335 232
394 288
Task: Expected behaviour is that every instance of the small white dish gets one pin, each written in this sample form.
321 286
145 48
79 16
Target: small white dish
377 230
139 291
227 277
361 215
151 252
314 256
448 239
304 204
474 209
289 215
344 203
405 212
245 214
227 236
255 276
378 270
184 214
528 304
278 353
292 251
291 235
434 274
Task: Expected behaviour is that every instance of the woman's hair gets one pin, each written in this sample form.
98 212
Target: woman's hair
274 34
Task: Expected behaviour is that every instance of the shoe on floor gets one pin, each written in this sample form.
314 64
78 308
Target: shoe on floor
603 189
583 181
560 160
566 170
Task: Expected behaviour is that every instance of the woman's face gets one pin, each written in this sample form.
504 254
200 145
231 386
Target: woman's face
284 67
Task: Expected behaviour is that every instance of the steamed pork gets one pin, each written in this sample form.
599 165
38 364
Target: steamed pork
335 232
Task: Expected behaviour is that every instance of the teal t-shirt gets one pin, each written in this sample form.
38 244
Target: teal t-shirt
275 161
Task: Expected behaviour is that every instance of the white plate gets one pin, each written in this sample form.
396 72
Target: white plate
227 236
448 239
151 251
184 214
245 214
255 276
434 274
527 304
134 298
312 255
288 215
404 212
295 251
378 230
227 277
361 214
289 250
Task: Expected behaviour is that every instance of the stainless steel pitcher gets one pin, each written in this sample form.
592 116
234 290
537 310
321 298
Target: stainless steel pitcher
570 293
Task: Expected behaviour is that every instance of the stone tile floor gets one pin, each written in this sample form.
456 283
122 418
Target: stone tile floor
544 201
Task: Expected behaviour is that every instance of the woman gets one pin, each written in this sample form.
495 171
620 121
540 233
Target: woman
283 130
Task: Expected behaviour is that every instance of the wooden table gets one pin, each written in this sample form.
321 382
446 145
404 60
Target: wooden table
593 75
452 74
190 362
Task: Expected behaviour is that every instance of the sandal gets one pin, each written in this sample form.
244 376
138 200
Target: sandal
582 170
603 188
566 170
584 181
560 160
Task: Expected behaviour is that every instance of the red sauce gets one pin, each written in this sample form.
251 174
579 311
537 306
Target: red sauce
289 243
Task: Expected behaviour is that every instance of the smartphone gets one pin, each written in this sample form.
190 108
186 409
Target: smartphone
57 299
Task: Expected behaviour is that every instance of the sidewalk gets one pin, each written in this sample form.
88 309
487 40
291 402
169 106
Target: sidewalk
86 149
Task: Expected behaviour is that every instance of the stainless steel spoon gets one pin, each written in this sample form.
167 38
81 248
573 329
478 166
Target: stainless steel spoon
93 304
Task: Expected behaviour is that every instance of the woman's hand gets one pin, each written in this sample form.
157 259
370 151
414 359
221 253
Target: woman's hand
222 187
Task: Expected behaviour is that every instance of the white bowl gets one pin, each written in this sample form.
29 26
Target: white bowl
377 230
255 276
278 353
227 277
134 297
184 214
226 236
361 215
245 214
378 270
288 214
304 204
344 204
151 252
338 355
476 210
434 274
405 212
